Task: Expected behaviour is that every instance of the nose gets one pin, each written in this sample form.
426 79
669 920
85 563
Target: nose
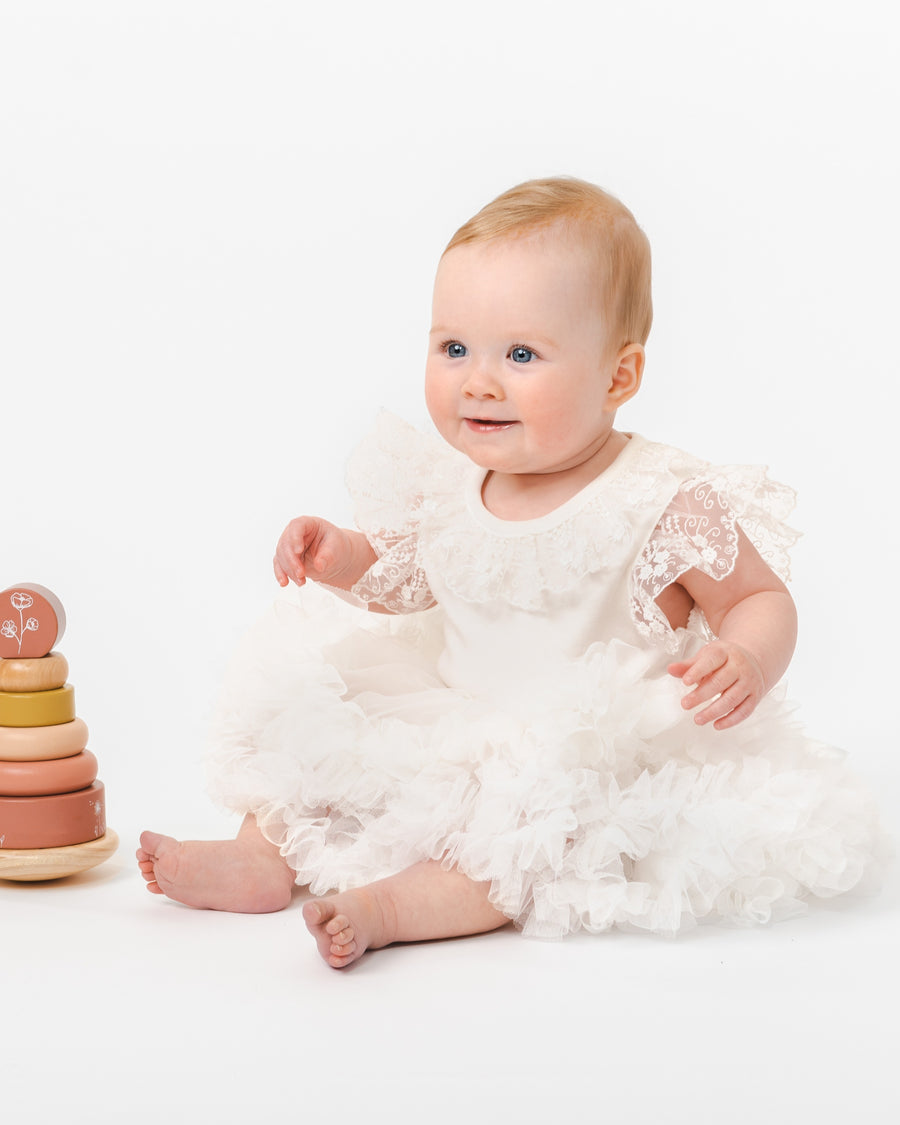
482 382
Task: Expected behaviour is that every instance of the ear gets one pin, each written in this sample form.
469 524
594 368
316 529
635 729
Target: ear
628 368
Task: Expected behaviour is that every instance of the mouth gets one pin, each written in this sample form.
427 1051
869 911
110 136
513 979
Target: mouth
488 425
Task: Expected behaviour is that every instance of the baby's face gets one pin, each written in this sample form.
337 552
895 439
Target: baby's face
519 367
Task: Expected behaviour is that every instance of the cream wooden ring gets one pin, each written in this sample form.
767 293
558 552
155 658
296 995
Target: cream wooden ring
37 708
42 673
36 864
41 744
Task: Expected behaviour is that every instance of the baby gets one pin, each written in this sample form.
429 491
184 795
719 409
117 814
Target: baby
561 735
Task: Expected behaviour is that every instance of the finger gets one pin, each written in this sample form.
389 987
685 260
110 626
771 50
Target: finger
280 576
712 688
292 562
706 662
291 568
727 702
737 715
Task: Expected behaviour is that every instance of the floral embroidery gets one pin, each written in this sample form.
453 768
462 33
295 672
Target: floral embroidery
20 600
699 530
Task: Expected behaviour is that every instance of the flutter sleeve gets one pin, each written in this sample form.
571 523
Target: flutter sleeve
699 530
396 478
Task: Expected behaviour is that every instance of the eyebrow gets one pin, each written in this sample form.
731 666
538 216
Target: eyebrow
519 338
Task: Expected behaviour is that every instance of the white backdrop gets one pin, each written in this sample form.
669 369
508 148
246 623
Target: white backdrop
219 224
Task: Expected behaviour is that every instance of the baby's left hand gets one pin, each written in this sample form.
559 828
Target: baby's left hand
728 671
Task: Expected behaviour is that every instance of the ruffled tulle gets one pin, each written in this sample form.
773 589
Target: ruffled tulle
601 804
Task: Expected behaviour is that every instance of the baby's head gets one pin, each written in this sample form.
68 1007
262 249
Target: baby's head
592 220
541 309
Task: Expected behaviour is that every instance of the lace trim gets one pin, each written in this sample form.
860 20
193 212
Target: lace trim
699 531
397 580
402 481
521 570
410 493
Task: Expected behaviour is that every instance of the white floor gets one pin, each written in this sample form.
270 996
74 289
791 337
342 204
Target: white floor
118 1006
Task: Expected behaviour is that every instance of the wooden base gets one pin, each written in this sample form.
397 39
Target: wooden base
56 863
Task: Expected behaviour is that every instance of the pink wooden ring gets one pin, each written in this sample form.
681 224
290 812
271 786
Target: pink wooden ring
42 779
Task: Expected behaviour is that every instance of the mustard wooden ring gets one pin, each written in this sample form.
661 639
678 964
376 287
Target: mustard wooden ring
43 744
42 673
37 708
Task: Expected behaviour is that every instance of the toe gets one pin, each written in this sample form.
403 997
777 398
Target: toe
150 841
340 961
317 912
338 922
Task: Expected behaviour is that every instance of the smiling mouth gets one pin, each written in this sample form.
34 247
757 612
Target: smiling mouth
488 425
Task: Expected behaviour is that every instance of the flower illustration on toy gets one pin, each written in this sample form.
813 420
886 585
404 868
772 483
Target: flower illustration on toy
21 601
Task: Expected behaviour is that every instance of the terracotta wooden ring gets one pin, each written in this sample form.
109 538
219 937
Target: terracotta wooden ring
55 821
32 620
42 744
43 778
37 708
42 673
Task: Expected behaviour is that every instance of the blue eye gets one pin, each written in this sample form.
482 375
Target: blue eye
521 355
455 351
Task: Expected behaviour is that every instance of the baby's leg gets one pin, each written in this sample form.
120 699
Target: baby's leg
247 875
424 902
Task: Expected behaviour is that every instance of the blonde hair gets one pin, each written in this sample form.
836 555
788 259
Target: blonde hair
601 224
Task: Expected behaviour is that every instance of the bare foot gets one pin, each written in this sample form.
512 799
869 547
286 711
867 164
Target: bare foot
346 925
246 875
424 902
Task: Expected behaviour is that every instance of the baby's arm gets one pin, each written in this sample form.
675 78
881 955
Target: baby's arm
755 622
310 547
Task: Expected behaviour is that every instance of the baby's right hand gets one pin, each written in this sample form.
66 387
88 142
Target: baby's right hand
310 547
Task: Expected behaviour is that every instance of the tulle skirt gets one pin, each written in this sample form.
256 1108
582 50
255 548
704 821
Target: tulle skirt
598 804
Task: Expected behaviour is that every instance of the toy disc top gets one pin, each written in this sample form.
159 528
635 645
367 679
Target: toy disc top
32 620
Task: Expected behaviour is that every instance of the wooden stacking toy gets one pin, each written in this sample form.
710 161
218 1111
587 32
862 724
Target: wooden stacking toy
52 807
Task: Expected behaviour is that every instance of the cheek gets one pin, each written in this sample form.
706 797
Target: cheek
559 420
437 395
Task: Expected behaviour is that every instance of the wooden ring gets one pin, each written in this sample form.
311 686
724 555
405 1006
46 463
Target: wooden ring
43 778
56 821
33 865
37 708
42 673
40 744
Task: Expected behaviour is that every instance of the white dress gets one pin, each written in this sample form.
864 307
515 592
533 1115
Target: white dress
516 719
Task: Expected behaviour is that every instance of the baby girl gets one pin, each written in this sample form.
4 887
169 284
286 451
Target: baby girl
561 713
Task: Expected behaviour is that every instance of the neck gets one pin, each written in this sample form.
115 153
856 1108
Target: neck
526 496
